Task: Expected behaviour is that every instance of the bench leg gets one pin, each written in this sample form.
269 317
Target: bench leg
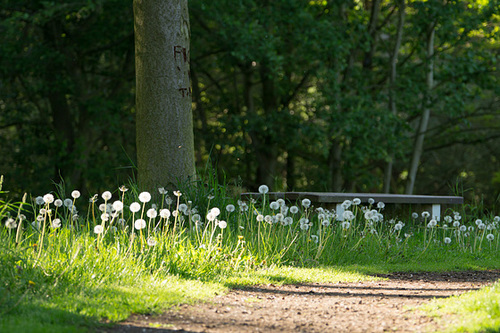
436 212
339 211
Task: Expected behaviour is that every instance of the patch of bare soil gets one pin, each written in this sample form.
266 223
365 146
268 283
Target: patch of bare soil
373 306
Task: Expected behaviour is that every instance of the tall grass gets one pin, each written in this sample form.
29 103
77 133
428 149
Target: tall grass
73 261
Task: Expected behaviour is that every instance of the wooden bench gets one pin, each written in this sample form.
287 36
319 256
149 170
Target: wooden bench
335 200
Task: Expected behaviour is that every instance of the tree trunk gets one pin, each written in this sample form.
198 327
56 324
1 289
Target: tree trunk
392 87
424 120
164 123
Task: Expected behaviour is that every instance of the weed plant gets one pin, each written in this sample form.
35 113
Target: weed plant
71 262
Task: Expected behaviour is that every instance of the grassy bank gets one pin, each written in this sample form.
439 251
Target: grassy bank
70 263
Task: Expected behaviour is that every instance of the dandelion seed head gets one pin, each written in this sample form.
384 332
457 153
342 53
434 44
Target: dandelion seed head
183 208
414 215
274 205
48 198
425 214
447 240
398 226
105 217
346 225
371 201
10 223
123 188
144 197
281 202
315 238
98 229
348 215
304 226
346 204
135 207
294 209
230 208
448 219
151 241
268 219
58 202
263 189
56 223
75 194
288 220
260 218
456 224
164 213
490 237
222 224
162 190
380 205
177 193
140 224
432 223
306 203
463 228
325 223
117 205
106 195
478 222
195 218
151 213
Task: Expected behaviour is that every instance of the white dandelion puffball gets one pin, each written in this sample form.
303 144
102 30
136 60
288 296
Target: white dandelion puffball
135 207
288 220
315 238
48 198
162 190
281 202
346 204
211 217
177 193
306 203
75 194
196 218
304 226
105 217
164 213
98 229
432 223
215 211
463 228
56 223
140 224
230 208
10 223
294 209
371 201
151 241
380 205
118 205
325 223
348 215
263 189
274 205
183 208
222 224
447 240
260 218
398 226
68 203
268 219
425 215
345 225
356 201
490 237
414 215
144 197
151 213
58 203
106 195
39 201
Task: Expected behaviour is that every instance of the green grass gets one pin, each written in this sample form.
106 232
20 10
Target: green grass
477 311
71 279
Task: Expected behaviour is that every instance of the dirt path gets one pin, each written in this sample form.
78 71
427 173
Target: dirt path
374 306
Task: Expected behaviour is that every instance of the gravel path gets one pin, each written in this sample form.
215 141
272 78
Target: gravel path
372 306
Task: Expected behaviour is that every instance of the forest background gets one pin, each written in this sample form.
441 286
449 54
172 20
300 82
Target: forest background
299 95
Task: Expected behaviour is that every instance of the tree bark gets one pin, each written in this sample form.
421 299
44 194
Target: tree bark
164 123
424 120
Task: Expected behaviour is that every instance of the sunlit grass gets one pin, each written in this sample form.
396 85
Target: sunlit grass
70 263
477 311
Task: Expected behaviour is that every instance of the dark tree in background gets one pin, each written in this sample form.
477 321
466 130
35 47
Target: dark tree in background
301 95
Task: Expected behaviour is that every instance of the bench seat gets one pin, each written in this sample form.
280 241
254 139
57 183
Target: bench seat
336 199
